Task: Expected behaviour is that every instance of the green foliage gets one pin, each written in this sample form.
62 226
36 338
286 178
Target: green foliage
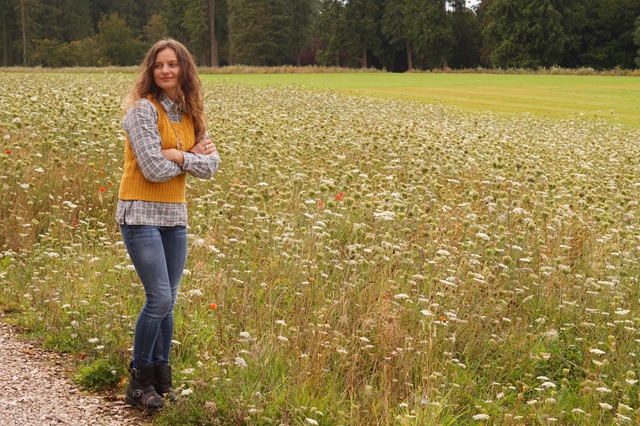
53 53
467 39
363 18
196 25
155 29
636 40
393 35
116 42
432 32
257 31
541 34
48 53
331 26
190 22
100 375
83 53
304 16
609 34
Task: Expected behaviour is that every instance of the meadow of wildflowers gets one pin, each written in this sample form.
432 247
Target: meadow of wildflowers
355 260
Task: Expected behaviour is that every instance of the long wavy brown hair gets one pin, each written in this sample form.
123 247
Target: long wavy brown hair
190 98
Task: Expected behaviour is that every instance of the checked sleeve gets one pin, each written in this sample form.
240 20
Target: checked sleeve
141 125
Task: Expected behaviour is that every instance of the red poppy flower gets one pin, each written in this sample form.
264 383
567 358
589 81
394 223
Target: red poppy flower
102 189
213 306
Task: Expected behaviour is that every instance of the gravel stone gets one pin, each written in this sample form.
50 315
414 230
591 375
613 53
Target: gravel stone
35 390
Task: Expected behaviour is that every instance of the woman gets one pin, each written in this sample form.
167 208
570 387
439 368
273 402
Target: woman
165 139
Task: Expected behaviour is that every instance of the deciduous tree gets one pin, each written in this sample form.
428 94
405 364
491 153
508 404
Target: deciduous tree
116 42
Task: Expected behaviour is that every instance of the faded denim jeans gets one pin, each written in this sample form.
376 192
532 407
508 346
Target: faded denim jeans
159 254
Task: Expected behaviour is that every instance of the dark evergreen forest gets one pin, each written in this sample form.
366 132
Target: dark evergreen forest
395 35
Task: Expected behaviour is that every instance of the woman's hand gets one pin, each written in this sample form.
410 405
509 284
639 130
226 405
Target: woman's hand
173 154
205 147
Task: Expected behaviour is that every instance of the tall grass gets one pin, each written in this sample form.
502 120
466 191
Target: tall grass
355 260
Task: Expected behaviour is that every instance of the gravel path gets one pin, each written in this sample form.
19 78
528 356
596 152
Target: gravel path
35 390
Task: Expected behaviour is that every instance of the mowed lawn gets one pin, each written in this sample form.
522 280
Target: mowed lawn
615 99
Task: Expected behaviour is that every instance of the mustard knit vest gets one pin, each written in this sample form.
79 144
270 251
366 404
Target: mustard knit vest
134 186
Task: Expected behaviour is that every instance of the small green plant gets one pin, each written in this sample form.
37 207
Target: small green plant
100 375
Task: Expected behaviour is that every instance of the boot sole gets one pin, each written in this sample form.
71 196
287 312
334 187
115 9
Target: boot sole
132 403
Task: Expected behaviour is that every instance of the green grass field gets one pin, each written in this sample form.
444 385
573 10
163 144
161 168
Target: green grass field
564 96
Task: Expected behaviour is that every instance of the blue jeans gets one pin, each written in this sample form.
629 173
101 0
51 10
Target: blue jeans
159 254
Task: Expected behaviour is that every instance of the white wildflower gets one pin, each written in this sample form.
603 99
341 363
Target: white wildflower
479 417
623 418
625 408
386 215
240 362
483 236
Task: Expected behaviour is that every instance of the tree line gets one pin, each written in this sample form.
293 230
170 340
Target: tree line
396 35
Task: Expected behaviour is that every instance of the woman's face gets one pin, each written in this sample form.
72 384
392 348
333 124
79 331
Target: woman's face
166 72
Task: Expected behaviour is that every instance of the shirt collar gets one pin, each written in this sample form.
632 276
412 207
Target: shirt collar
167 103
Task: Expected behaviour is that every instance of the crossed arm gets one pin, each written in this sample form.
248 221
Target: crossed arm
160 165
201 160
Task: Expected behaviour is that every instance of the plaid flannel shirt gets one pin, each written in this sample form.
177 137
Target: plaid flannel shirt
141 124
